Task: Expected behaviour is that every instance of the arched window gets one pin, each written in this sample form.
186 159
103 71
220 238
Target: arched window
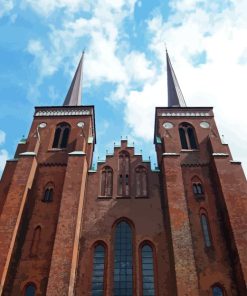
48 194
187 136
141 181
205 230
98 270
35 241
106 181
61 136
123 260
148 285
218 291
197 188
123 177
30 290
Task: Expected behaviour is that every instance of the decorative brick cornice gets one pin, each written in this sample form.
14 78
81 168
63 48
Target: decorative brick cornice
194 164
184 114
61 111
52 164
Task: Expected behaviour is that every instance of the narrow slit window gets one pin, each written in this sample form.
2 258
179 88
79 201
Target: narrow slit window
48 195
106 181
124 178
205 230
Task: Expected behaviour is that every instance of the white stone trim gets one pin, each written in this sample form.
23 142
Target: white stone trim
76 153
28 153
63 112
220 154
184 114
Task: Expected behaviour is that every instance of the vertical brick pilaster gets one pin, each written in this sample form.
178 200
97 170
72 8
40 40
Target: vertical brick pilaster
13 209
65 251
232 184
181 239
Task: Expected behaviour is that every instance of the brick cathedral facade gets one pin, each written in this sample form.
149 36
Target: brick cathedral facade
123 228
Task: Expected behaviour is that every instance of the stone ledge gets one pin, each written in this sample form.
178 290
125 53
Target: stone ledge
219 154
235 162
77 153
28 153
167 154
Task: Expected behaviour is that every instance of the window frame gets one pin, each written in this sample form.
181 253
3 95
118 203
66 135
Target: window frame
143 170
107 167
97 243
63 126
134 268
204 214
186 126
155 267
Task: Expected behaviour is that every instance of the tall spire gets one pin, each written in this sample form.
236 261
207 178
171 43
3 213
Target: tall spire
175 96
73 97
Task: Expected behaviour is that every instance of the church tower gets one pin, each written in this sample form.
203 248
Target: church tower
42 198
205 196
123 228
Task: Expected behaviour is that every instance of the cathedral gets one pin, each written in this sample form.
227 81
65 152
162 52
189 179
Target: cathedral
123 228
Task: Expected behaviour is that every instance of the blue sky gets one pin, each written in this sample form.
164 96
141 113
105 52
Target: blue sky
124 69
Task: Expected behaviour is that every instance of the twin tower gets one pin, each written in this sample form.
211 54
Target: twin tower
123 229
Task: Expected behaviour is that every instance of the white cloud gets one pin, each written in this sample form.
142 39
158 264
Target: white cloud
140 108
220 81
3 158
5 7
2 137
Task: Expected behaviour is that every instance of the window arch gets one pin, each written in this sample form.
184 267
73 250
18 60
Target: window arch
206 230
48 193
141 181
217 290
98 270
187 136
123 259
147 265
35 241
106 181
61 135
123 177
30 290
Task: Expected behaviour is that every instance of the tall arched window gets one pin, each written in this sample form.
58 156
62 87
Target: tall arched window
61 135
35 241
98 270
30 290
218 291
148 285
106 181
205 230
187 136
123 177
123 260
141 181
